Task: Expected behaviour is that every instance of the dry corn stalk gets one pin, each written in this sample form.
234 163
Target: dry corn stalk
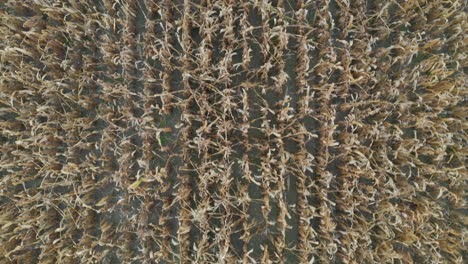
232 131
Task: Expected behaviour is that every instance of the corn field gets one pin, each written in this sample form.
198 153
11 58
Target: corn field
233 131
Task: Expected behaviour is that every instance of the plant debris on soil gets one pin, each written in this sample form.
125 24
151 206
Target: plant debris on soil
233 131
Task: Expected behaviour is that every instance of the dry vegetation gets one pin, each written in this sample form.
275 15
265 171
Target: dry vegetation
266 131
